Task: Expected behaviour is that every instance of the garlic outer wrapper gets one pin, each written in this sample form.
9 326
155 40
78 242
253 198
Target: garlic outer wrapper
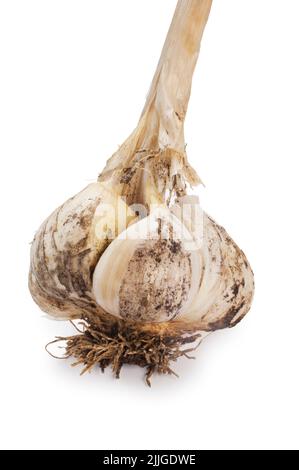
66 249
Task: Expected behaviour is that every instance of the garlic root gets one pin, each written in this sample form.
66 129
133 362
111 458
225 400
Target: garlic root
104 344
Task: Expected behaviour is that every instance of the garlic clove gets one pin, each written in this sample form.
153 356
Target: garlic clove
147 273
226 285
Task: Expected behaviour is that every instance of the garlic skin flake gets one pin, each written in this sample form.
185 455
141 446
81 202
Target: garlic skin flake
146 275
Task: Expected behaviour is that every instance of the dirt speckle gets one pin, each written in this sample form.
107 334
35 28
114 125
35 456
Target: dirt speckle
227 320
157 282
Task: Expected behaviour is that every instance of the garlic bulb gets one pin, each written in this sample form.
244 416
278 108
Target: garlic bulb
132 254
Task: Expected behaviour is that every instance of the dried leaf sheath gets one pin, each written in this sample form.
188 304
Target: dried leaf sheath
158 144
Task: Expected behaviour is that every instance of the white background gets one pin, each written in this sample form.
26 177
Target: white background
73 80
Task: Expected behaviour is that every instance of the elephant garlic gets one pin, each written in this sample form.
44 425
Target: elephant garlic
133 255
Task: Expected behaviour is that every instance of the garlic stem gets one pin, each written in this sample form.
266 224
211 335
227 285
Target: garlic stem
154 154
168 98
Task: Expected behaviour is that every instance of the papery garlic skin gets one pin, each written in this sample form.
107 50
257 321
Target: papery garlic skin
66 249
226 285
